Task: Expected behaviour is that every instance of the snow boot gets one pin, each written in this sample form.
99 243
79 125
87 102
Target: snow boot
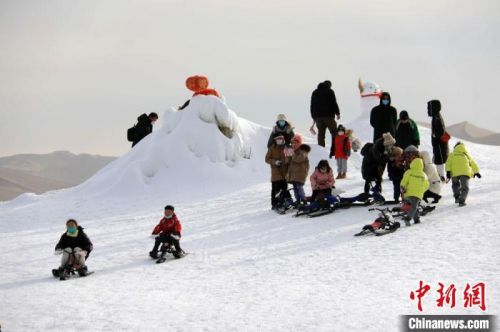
178 254
65 274
83 271
407 221
153 254
57 272
461 204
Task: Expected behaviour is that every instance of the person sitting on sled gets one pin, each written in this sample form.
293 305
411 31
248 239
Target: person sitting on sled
322 180
168 233
413 186
75 247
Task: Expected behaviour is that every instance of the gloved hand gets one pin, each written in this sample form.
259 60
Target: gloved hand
278 163
58 252
448 176
477 175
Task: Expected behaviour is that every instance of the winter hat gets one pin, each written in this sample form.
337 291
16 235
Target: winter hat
71 220
305 147
397 151
323 164
433 107
328 84
426 157
404 115
388 139
281 117
279 136
169 207
341 128
411 149
298 139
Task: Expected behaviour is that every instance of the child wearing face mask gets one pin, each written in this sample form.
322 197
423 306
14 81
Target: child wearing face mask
322 180
342 151
278 162
168 231
75 247
284 128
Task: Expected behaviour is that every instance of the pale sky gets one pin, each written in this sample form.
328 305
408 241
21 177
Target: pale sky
74 75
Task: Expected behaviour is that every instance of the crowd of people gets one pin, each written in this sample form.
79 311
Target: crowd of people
414 174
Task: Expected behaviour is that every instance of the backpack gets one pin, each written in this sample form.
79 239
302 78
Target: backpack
131 134
366 149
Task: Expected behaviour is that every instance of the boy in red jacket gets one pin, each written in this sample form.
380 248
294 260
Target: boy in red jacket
169 232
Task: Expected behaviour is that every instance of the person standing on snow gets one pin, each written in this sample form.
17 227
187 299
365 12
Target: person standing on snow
324 108
460 167
144 126
383 117
406 131
278 162
439 136
342 151
282 127
433 176
413 186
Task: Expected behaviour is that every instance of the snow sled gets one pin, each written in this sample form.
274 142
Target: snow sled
164 251
70 270
321 206
384 224
404 207
284 201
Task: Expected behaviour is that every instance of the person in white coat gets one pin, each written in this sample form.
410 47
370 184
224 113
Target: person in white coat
431 171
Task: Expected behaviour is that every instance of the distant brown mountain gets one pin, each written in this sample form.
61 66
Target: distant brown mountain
38 173
467 131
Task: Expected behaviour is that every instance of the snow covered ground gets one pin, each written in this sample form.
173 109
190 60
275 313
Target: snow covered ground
249 269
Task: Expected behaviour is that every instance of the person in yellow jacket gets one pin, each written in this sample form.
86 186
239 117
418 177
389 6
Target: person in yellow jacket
413 186
460 167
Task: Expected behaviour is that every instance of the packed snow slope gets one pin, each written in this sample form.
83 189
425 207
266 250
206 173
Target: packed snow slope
249 269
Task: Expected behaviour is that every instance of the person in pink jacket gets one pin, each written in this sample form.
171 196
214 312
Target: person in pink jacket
322 180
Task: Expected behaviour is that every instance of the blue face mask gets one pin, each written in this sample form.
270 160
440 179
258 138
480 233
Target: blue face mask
281 123
72 230
385 102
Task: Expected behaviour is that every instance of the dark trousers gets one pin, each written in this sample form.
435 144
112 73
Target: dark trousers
326 122
276 188
378 186
324 192
166 238
396 183
429 194
460 187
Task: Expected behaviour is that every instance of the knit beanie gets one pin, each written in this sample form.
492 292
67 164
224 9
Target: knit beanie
388 139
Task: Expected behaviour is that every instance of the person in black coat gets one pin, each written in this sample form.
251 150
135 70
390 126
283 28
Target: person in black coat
406 131
324 108
75 247
144 126
375 157
439 141
383 117
396 171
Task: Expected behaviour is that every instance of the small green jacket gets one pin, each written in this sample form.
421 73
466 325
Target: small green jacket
460 162
415 182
